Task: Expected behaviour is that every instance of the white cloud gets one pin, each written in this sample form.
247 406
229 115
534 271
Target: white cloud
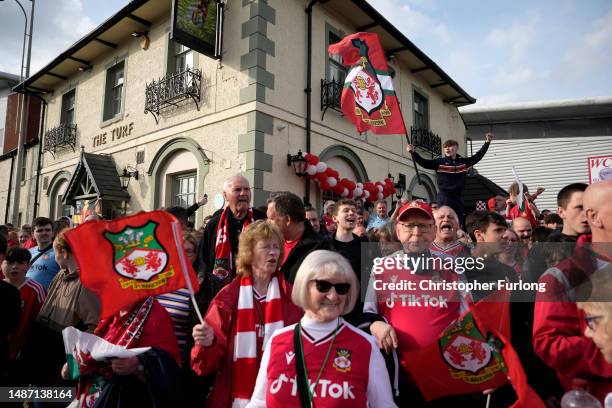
590 50
411 22
57 25
518 38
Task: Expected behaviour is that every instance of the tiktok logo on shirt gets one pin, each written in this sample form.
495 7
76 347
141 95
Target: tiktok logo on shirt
324 388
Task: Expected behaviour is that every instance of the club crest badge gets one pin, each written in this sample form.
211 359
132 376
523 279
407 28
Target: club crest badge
139 257
342 361
468 354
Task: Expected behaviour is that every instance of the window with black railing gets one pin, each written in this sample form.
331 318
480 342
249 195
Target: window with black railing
426 140
172 90
61 137
331 94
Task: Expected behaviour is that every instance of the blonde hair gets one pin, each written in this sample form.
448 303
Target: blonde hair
261 230
60 242
513 190
324 263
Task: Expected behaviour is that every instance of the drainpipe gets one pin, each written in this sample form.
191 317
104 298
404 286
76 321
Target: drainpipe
40 154
308 91
10 187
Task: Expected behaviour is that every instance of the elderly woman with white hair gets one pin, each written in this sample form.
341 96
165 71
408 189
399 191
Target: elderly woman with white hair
323 361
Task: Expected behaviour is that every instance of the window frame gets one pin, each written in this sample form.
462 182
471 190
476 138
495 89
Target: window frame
177 195
63 111
108 88
329 60
172 54
418 94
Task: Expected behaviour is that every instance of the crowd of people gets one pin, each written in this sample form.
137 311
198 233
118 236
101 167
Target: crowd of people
290 316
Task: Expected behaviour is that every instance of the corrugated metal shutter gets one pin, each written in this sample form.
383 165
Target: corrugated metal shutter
551 163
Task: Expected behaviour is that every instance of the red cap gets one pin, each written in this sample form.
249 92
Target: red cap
417 205
491 203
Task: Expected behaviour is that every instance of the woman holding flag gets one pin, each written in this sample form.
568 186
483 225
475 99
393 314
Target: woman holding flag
243 316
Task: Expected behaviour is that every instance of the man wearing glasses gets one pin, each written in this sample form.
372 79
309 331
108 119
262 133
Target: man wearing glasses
409 318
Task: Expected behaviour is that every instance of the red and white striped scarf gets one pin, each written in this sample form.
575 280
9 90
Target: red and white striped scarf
244 372
223 266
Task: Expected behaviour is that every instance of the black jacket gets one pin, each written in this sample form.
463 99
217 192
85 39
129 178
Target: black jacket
311 241
210 284
451 173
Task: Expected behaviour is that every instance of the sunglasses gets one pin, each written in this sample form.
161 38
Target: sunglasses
324 286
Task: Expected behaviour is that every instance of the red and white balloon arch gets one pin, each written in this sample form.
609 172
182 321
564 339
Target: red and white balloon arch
329 180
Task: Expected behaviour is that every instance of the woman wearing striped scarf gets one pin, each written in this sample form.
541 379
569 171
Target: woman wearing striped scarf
242 317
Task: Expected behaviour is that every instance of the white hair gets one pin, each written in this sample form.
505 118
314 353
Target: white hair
229 180
324 263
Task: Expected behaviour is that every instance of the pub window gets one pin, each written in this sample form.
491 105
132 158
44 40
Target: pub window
23 167
113 99
180 57
421 111
68 108
336 71
184 190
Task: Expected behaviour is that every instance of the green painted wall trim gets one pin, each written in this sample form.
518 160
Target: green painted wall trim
255 58
262 10
256 24
260 197
254 92
258 41
255 177
251 141
256 29
352 159
427 183
259 160
164 153
261 76
260 121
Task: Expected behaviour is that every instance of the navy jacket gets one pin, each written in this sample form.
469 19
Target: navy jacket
451 173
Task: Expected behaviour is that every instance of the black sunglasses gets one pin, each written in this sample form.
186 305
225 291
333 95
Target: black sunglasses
324 286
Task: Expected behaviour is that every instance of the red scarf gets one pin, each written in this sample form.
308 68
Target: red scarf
223 267
122 331
244 372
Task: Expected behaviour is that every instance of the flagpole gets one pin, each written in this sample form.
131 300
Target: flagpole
181 253
488 401
416 169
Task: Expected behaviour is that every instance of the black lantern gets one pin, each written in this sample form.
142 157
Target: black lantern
399 186
299 163
128 173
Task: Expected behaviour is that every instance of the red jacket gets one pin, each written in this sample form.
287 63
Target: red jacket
558 327
218 357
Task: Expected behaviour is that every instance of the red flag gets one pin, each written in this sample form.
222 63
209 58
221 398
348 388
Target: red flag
131 258
472 355
368 98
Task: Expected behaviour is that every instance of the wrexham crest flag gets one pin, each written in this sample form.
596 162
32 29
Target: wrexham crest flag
368 97
131 258
473 354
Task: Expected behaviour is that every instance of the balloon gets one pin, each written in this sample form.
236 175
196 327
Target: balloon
359 185
380 196
321 167
311 159
311 170
331 181
357 192
344 193
338 189
366 194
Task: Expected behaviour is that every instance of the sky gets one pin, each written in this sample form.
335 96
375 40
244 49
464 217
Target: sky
498 51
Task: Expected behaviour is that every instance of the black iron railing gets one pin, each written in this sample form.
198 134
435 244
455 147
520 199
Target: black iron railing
60 137
426 140
172 89
331 93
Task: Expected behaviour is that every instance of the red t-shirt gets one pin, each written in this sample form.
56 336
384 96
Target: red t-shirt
33 295
344 379
287 248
